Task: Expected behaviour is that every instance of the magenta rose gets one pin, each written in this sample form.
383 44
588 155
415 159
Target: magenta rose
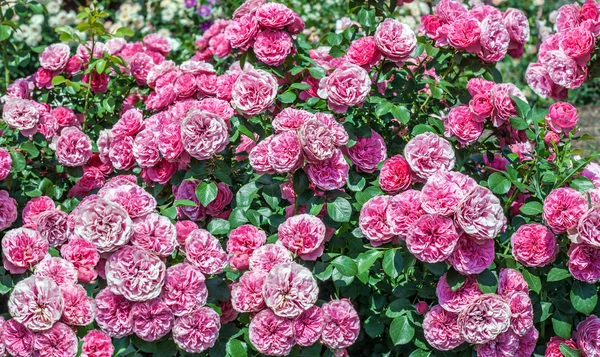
8 210
363 52
5 163
577 42
247 294
59 340
152 319
17 339
534 245
432 238
274 15
120 153
22 249
472 256
588 336
583 263
184 290
563 208
562 117
97 344
494 40
272 47
464 34
457 300
347 86
441 329
329 174
284 152
303 235
441 195
80 309
402 211
308 326
522 313
60 270
563 70
462 123
367 152
395 175
242 242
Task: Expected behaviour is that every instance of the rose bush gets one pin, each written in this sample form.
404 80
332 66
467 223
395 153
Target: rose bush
380 192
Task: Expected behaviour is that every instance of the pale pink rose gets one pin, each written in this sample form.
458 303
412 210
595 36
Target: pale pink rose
242 242
457 300
23 248
432 238
156 234
486 318
198 331
217 106
145 148
303 235
17 339
184 290
347 86
241 31
289 289
158 43
135 273
364 52
103 223
495 38
271 334
588 336
308 326
539 81
505 344
427 153
274 15
253 92
169 141
80 309
59 341
480 214
373 221
341 324
34 207
316 139
203 134
568 16
395 175
84 50
284 152
533 245
441 329
463 124
259 157
517 25
464 33
247 294
104 144
449 10
136 201
367 152
268 256
97 344
187 191
440 195
36 302
395 40
152 319
402 211
340 135
248 7
584 263
563 208
55 57
20 114
562 117
329 174
62 271
564 70
139 66
504 106
204 251
290 119
20 88
522 313
121 153
592 172
472 256
272 47
509 281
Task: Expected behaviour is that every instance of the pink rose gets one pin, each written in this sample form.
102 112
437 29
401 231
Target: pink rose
268 256
347 86
505 344
73 147
588 228
363 52
36 302
271 334
17 339
440 194
427 153
59 340
472 256
34 207
395 40
156 234
160 173
568 16
303 235
274 15
247 294
329 174
217 106
465 125
43 78
64 116
187 191
479 86
316 139
97 344
484 319
136 201
121 153
82 254
583 263
588 336
156 42
80 309
449 10
517 25
5 163
62 271
129 124
184 228
308 326
464 34
204 251
290 289
152 319
504 106
495 39
564 70
55 57
480 214
145 148
169 141
522 313
509 281
284 152
290 119
241 31
22 249
341 324
253 92
432 238
373 221
242 242
402 211
553 346
184 290
395 175
457 300
533 245
539 81
563 208
562 117
98 82
20 114
340 136
203 134
527 343
198 331
441 329
272 47
8 210
592 172
367 152
139 66
259 157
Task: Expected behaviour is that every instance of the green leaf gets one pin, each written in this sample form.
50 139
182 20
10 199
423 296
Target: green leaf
300 182
455 279
4 289
335 39
345 265
36 8
584 297
534 282
487 281
317 72
4 32
184 203
567 351
101 66
124 31
393 263
30 148
287 97
401 114
235 348
422 128
558 274
498 183
58 80
366 18
523 107
339 210
366 259
356 182
383 108
218 226
562 324
533 208
373 326
18 161
401 331
206 192
301 86
246 195
519 123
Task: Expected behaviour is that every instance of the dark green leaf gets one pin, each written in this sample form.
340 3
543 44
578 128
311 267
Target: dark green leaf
367 259
584 297
401 331
206 192
339 210
567 351
558 274
345 265
393 263
534 281
487 281
533 208
18 161
498 183
455 279
218 226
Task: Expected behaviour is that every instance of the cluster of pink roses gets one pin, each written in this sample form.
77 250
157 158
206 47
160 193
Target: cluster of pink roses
451 219
483 30
563 57
588 339
496 324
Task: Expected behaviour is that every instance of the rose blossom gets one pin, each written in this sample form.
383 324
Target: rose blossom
198 331
463 124
289 289
120 153
509 281
241 31
533 245
527 343
268 256
308 326
495 38
242 242
184 290
588 228
271 334
506 344
592 172
486 318
367 152
441 329
539 81
588 336
136 201
584 263
316 139
129 123
84 257
347 86
303 235
395 175
20 114
577 42
457 300
247 294
53 226
373 220
472 256
5 163
329 174
440 195
402 210
290 119
553 346
432 238
427 153
480 214
152 319
17 339
562 117
55 57
284 152
464 33
203 134
204 251
504 106
340 135
80 309
113 314
97 344
341 324
23 248
363 52
58 269
563 208
34 207
259 157
563 69
187 191
253 92
522 313
59 340
272 47
274 15
36 302
156 234
395 40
